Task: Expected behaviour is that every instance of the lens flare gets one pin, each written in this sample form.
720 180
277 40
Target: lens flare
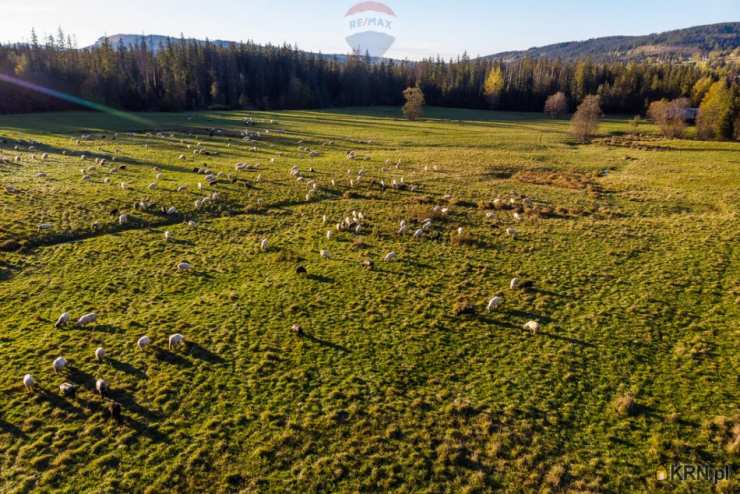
74 99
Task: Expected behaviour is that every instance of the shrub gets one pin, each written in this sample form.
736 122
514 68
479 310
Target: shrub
669 116
585 121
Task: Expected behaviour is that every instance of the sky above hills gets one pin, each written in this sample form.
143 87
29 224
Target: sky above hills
421 28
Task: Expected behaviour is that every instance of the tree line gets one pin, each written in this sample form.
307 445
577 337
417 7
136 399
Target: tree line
190 75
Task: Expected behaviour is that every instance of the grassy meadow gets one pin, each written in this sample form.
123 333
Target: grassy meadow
403 382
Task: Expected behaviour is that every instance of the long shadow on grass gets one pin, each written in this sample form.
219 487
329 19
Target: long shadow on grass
127 368
204 354
320 278
128 402
171 357
11 429
61 403
326 343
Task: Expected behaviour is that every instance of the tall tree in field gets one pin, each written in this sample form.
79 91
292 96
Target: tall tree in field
556 105
715 113
585 121
493 88
669 115
414 107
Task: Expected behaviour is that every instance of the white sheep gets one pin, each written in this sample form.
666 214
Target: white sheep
494 303
143 342
532 326
514 283
419 233
325 254
59 364
391 256
99 354
329 234
67 389
123 219
184 266
63 320
87 319
101 386
167 236
511 232
29 382
175 340
264 245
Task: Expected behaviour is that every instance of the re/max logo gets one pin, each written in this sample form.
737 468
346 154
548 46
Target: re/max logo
370 22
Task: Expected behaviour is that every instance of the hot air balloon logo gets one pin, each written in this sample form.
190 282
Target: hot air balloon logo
370 28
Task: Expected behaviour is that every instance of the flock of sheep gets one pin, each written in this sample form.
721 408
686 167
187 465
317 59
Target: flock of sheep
354 223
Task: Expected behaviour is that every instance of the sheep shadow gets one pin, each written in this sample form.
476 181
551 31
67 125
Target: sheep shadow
188 243
319 278
142 429
81 377
11 429
61 403
204 354
170 357
127 368
547 292
529 315
568 339
104 328
128 402
326 343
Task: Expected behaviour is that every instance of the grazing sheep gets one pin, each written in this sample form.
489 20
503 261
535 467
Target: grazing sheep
532 326
329 235
460 231
114 410
123 219
29 382
391 256
184 266
167 236
511 232
99 354
324 219
325 254
152 186
494 303
101 386
419 233
172 211
175 340
87 319
63 320
514 283
264 245
297 330
143 342
59 364
68 390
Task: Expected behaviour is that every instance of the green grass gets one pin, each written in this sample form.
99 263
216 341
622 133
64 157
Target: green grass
631 245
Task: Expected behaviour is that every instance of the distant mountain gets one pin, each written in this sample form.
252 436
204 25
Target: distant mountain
156 42
682 44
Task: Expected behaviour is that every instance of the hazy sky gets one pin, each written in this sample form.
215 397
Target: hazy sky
423 28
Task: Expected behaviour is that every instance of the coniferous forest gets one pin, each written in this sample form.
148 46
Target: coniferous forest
189 75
